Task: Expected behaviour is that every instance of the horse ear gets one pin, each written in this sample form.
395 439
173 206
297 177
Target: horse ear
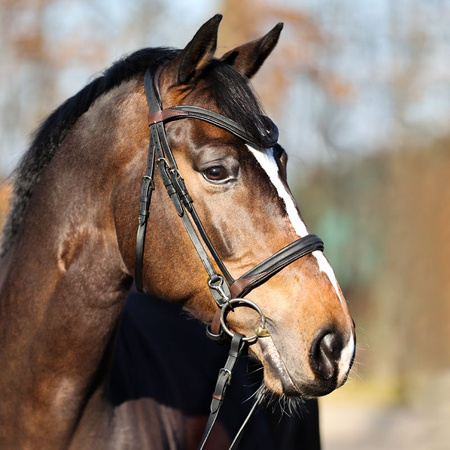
248 58
188 65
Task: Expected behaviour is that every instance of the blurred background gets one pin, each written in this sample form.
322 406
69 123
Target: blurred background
361 94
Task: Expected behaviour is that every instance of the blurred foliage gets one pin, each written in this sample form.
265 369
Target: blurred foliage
5 192
385 222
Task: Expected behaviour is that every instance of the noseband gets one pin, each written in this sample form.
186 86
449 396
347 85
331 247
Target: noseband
225 290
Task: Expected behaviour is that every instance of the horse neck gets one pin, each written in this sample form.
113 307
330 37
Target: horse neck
64 280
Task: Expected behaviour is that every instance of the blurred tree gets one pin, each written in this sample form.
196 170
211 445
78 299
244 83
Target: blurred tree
50 47
385 223
5 192
295 54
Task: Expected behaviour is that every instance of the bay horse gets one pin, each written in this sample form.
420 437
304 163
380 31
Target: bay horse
70 251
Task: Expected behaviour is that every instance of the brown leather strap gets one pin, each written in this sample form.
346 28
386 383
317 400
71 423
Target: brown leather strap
241 284
215 323
165 114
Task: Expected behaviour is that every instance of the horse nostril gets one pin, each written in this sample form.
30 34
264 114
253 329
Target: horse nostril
325 353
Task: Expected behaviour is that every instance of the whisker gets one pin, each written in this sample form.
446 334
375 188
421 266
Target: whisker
257 395
284 404
256 370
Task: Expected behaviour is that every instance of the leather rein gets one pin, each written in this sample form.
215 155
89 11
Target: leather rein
227 292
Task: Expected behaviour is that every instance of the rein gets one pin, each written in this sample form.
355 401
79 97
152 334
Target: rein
225 290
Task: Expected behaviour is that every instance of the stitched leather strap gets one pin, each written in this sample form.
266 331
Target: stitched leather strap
160 151
197 112
269 267
145 199
223 381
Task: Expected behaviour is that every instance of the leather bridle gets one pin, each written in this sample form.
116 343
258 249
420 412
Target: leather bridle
227 292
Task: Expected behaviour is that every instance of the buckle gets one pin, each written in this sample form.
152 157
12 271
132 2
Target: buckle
219 290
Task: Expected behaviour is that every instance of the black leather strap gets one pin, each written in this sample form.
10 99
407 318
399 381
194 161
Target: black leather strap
160 151
285 256
197 112
144 213
272 265
223 381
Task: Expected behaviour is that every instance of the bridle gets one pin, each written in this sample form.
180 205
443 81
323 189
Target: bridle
227 292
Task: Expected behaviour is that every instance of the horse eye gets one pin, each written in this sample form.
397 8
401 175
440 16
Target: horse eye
216 173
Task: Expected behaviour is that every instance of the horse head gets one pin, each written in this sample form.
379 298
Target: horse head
239 188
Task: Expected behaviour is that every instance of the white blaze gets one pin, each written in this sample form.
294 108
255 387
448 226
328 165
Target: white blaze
267 161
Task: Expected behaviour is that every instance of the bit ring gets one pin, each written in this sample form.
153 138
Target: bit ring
236 302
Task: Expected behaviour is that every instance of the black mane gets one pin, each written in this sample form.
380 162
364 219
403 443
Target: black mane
236 100
230 89
54 129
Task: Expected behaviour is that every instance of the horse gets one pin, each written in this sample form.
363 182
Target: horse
70 252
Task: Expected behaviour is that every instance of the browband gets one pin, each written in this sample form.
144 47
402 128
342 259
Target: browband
157 114
197 112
